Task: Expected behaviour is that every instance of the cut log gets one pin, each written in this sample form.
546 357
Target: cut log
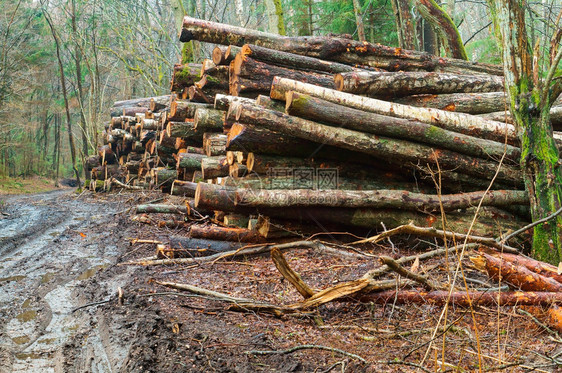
398 199
398 152
189 161
464 298
214 143
218 55
222 102
268 103
330 48
254 77
181 110
457 122
185 130
319 110
143 102
163 177
161 209
225 234
216 197
183 247
471 103
213 167
389 85
294 61
209 120
183 188
542 268
185 75
516 276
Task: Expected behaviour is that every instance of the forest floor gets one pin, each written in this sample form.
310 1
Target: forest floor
34 184
60 251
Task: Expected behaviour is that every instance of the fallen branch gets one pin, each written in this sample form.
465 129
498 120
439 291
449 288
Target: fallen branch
289 274
438 233
396 267
307 347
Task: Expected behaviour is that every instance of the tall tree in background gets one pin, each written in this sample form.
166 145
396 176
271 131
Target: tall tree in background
276 18
64 92
530 99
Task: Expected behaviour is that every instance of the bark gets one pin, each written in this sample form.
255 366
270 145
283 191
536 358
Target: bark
216 197
389 85
444 27
184 129
471 103
456 122
225 234
236 221
185 75
184 247
215 77
398 199
222 102
163 177
359 20
530 106
294 61
405 24
209 120
255 77
464 298
161 209
268 103
276 21
214 143
189 161
131 111
536 266
143 102
181 110
516 276
319 110
213 167
393 151
330 48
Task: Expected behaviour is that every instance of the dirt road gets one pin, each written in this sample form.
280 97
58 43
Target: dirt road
51 246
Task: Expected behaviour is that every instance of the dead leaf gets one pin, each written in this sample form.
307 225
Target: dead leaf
82 235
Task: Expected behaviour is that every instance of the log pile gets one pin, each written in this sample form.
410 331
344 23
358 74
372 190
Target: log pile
278 137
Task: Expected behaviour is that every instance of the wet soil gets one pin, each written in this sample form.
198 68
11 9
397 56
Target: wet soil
62 264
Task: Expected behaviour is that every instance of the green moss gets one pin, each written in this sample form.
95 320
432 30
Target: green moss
187 52
186 75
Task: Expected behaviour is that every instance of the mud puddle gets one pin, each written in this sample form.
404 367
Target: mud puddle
51 247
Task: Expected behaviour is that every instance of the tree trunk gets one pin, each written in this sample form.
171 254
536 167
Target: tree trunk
397 84
312 108
275 16
330 48
405 24
530 106
457 122
393 151
444 27
359 20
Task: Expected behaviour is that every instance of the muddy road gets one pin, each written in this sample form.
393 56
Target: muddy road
52 247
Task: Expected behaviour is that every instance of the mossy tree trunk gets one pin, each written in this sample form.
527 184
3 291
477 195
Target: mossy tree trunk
530 101
405 24
444 27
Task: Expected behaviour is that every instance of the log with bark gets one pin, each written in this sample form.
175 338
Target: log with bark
213 167
209 120
184 247
398 152
330 48
308 107
185 75
181 110
252 77
456 122
389 85
471 103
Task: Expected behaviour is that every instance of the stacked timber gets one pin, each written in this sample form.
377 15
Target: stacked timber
275 131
